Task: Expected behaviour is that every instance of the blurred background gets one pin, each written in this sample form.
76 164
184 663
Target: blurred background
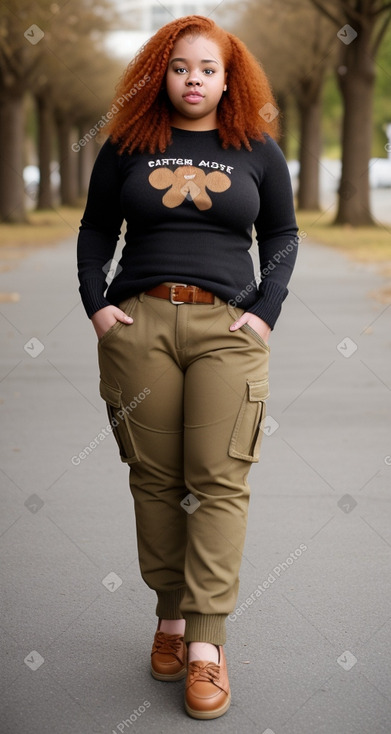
329 62
315 648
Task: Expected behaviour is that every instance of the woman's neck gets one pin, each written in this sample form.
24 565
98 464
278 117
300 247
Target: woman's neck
209 122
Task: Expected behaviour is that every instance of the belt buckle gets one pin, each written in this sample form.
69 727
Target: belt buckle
172 300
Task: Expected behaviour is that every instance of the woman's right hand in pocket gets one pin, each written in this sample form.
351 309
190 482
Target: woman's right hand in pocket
106 317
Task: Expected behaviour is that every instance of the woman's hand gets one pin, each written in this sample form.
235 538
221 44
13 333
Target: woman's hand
260 326
106 317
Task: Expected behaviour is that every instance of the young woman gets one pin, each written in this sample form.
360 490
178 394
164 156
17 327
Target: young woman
191 164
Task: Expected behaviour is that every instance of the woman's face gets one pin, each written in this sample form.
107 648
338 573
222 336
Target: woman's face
195 81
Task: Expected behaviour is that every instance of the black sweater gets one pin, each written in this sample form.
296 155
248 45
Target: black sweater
190 214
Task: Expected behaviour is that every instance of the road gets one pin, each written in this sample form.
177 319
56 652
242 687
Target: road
309 644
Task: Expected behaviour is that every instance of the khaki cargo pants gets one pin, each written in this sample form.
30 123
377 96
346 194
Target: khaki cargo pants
186 397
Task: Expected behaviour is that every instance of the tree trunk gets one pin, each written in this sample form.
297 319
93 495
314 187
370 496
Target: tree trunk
283 107
356 80
68 161
310 112
86 159
45 131
12 193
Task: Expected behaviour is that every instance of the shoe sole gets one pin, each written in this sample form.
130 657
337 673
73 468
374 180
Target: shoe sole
214 714
167 677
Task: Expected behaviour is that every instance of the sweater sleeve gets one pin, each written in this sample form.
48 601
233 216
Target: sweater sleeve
276 231
100 228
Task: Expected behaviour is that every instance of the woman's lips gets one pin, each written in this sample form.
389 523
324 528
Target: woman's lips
193 97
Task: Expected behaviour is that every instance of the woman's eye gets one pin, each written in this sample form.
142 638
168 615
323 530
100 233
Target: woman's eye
183 70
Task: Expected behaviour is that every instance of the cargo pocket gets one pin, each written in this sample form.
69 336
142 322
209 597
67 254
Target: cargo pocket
119 422
246 437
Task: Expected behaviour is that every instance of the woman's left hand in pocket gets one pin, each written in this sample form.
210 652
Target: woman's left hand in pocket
260 326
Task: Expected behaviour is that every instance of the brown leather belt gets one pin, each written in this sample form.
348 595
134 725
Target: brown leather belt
181 293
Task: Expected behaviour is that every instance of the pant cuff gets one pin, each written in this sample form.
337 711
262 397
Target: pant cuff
168 604
205 628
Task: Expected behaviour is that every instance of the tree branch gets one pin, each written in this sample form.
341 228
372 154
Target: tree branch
326 12
11 60
366 7
352 13
378 39
382 9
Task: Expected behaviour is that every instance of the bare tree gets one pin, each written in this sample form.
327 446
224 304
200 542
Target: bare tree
308 95
296 49
19 56
103 77
57 54
361 25
45 138
78 79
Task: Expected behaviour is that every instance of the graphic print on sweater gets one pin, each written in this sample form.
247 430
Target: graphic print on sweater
188 182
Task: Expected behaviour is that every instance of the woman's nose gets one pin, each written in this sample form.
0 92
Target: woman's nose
193 80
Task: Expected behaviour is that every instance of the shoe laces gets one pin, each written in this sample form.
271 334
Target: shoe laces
200 671
169 644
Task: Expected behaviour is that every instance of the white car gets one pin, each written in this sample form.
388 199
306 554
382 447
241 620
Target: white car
31 181
380 173
330 170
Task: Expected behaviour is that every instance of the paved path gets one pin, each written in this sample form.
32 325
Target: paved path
309 651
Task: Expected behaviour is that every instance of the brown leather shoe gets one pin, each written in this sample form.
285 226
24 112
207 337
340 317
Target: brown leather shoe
168 656
208 693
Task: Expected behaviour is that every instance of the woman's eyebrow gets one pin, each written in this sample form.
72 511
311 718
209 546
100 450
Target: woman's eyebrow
203 61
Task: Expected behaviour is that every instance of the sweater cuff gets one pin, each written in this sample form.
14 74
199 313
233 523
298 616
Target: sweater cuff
268 305
91 293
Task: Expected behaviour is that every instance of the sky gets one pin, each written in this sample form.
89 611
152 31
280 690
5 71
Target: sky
124 44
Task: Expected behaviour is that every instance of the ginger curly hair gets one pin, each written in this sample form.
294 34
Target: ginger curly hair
143 122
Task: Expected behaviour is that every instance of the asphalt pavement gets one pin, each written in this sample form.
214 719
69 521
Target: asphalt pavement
308 645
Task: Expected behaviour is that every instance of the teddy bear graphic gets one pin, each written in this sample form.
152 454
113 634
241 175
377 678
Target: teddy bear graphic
188 182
